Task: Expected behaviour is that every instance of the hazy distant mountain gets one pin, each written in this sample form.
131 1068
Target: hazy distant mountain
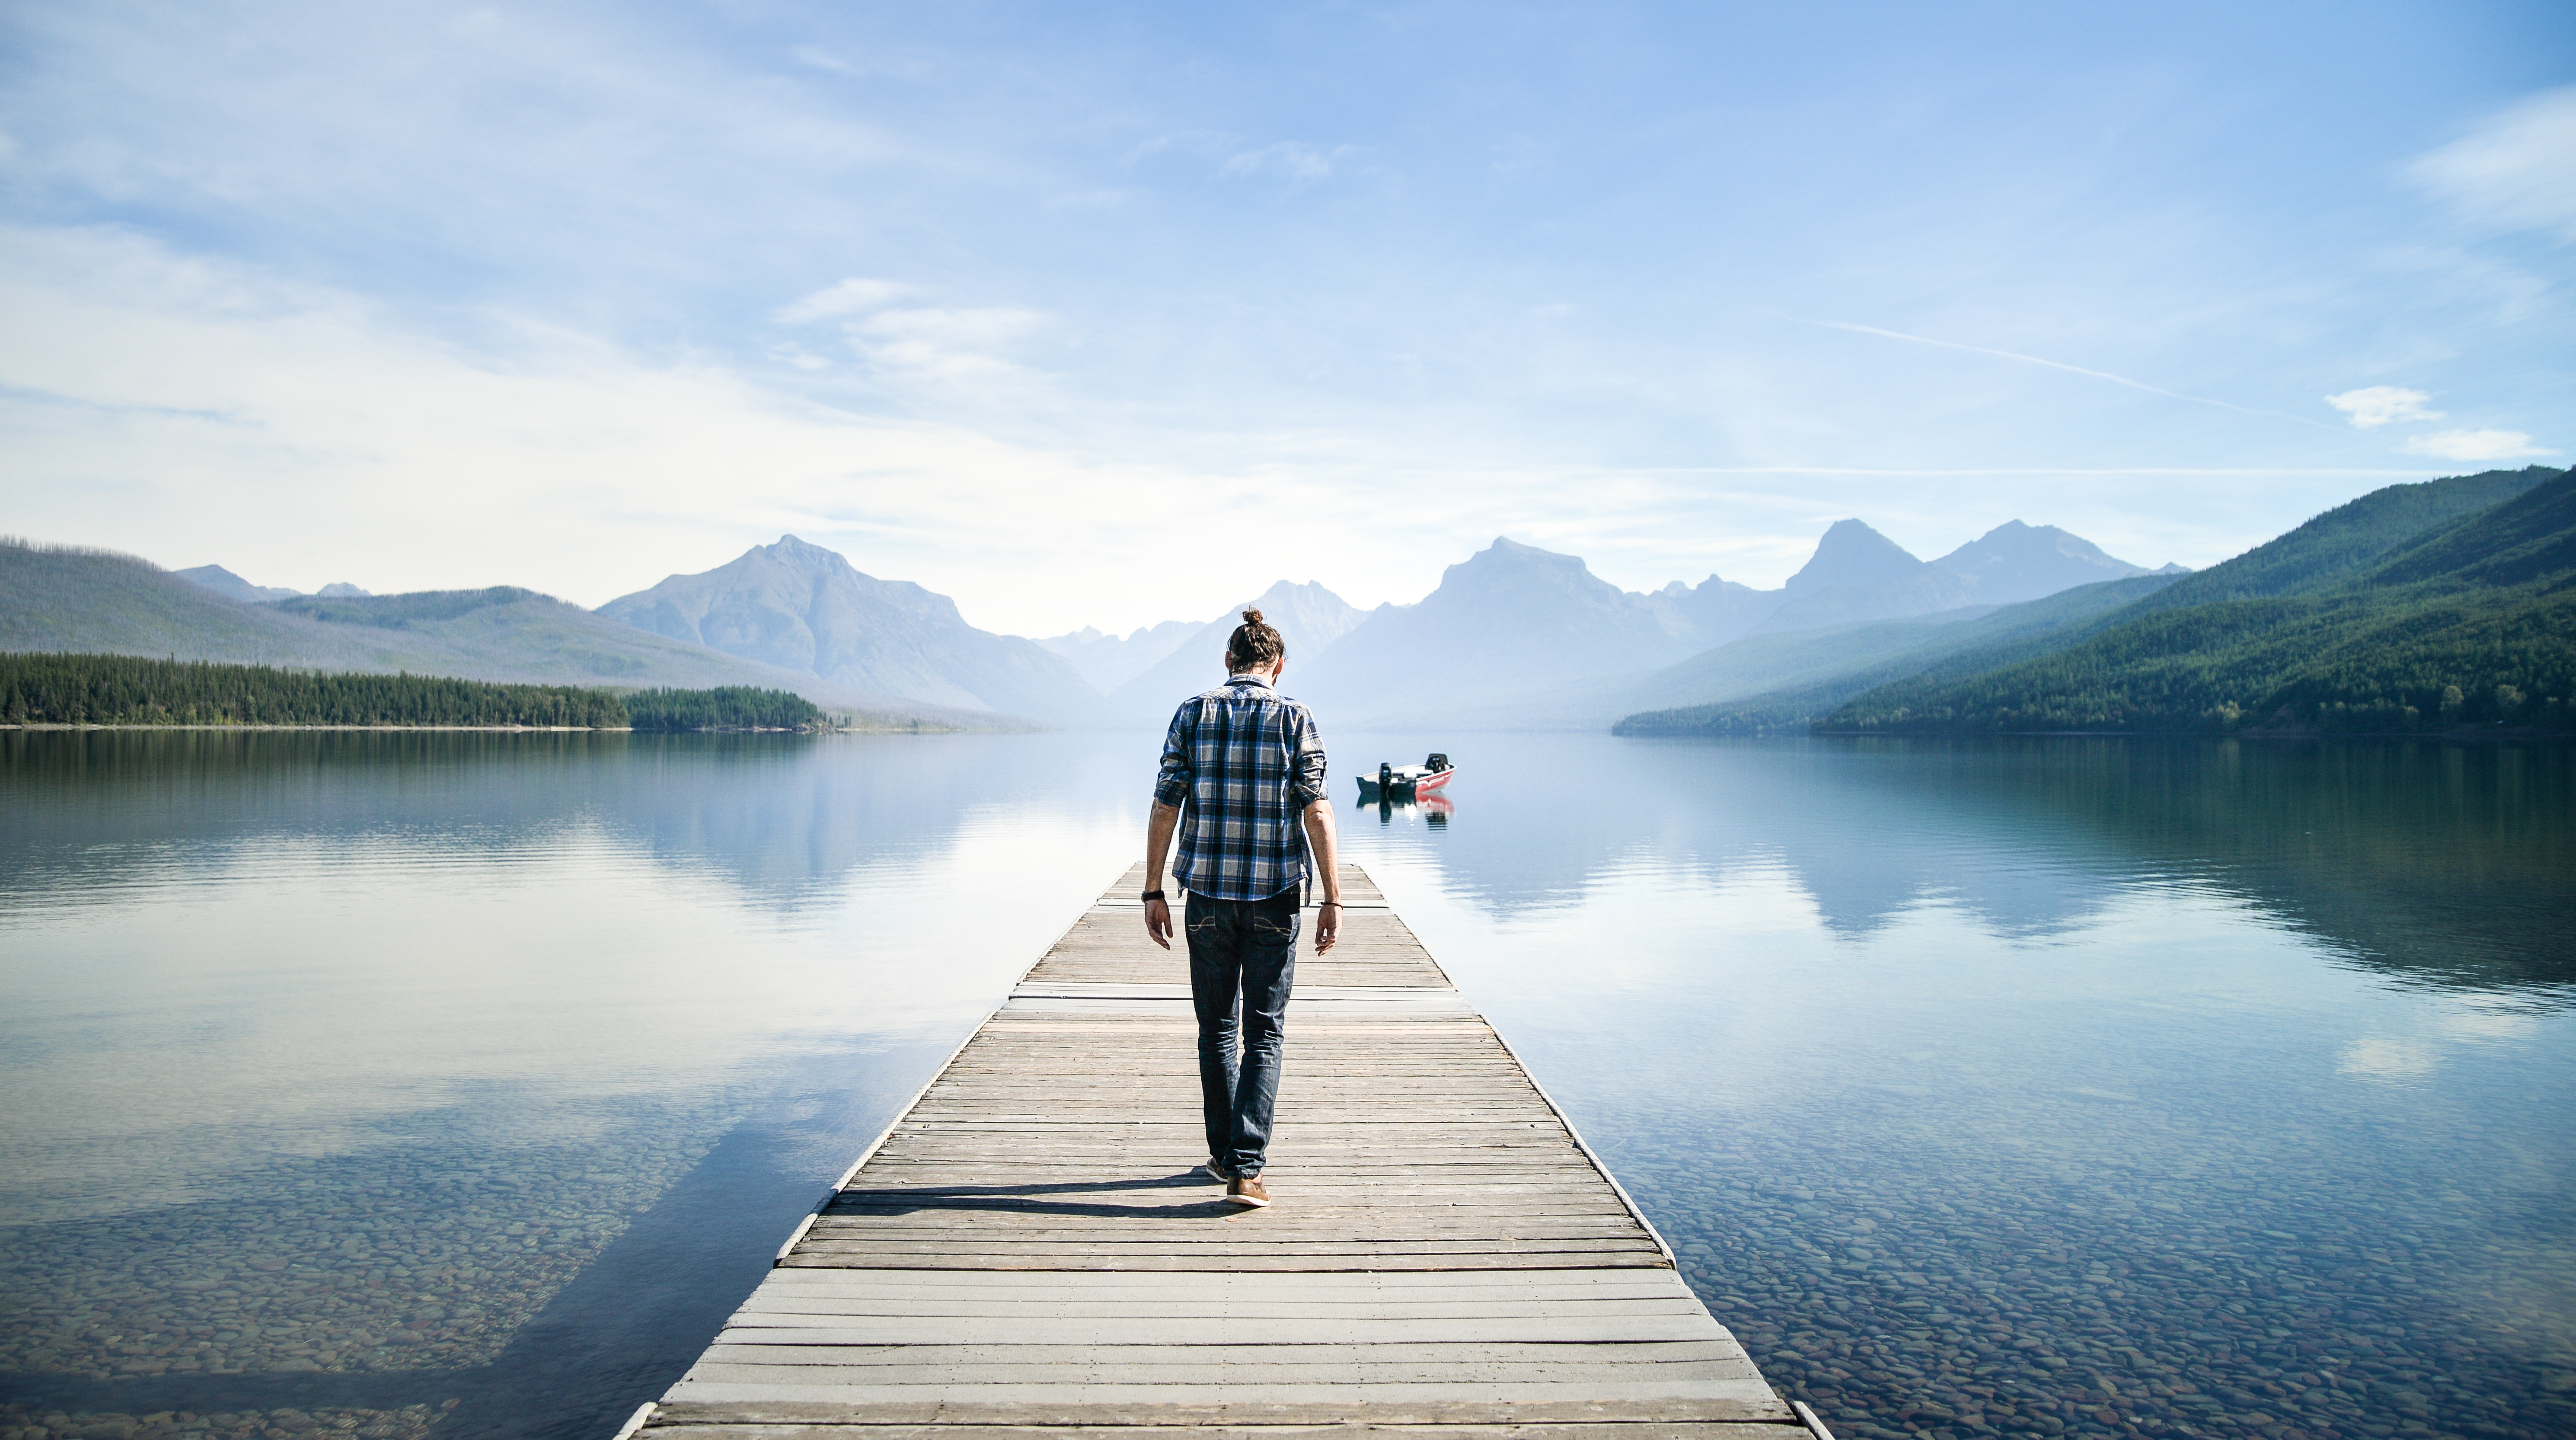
1309 617
342 590
2014 562
1511 617
1109 661
802 607
1713 611
1852 556
1858 574
1551 646
233 587
88 600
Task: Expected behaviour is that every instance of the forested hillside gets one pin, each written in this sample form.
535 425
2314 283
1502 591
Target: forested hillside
2332 548
2398 613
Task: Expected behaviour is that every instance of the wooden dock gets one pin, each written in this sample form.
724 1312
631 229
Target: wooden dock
1031 1247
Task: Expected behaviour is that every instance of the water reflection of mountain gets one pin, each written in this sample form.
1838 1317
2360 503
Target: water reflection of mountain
2440 864
2443 864
779 816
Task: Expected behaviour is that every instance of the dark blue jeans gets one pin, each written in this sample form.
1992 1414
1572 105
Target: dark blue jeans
1243 958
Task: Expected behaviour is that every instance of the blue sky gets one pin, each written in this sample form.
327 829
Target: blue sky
1106 314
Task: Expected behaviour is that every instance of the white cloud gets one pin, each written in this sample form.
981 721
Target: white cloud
947 343
2516 172
848 297
2382 405
1292 160
799 357
194 411
2475 445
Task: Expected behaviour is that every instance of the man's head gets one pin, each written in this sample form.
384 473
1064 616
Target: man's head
1254 647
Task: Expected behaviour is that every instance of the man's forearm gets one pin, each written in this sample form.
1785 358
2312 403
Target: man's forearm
1158 841
1324 843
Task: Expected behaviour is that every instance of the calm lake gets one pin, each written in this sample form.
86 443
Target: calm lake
459 1085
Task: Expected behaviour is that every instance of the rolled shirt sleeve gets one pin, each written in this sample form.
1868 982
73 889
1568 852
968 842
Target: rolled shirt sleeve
1173 781
1307 780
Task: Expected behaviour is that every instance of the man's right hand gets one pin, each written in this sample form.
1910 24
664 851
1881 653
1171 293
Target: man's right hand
1158 843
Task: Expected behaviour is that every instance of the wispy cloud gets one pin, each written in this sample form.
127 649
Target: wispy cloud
815 57
2377 405
948 344
927 341
1291 160
2056 365
2515 172
848 297
2475 445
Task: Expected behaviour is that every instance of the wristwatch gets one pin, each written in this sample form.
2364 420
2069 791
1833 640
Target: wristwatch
1150 896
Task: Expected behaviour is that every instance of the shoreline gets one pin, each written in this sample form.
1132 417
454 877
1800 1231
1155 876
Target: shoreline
2463 735
406 729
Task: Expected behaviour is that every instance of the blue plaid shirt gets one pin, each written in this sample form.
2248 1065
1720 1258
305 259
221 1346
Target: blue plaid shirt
1247 761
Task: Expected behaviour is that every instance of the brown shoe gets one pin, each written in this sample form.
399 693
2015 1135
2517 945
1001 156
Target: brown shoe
1216 1171
1246 1190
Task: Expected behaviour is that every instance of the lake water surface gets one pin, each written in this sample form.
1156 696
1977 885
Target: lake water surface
459 1085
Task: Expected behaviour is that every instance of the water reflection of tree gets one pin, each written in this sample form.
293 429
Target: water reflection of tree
2434 864
782 817
2438 864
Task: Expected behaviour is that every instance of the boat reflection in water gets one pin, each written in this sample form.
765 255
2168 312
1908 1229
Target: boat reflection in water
1433 810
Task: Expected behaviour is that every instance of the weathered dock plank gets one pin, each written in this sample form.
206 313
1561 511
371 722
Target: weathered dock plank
1031 1251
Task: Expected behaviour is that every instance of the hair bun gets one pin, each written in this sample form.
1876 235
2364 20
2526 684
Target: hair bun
1251 617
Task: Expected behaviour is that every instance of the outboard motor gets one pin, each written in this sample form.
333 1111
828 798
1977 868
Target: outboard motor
1385 777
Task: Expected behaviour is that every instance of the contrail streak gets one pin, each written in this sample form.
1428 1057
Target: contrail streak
2062 365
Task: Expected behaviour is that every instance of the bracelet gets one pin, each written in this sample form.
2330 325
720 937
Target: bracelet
1150 896
1336 904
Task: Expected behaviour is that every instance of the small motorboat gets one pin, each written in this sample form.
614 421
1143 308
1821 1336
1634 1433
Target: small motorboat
1396 782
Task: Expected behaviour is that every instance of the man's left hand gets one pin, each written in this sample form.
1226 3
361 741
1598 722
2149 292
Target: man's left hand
1158 922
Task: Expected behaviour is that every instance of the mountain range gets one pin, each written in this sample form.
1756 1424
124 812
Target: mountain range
69 599
1513 636
2419 607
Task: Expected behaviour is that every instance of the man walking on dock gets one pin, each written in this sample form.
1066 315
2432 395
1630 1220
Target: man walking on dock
1243 780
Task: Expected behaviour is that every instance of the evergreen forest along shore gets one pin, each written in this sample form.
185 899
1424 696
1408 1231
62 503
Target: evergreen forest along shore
125 690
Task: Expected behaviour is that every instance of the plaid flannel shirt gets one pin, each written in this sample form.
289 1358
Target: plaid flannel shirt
1247 762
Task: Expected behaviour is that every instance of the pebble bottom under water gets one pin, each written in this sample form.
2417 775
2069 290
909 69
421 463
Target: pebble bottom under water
421 1260
19 1422
2075 1310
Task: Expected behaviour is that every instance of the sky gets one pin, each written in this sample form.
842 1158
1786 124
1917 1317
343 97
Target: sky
1116 313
